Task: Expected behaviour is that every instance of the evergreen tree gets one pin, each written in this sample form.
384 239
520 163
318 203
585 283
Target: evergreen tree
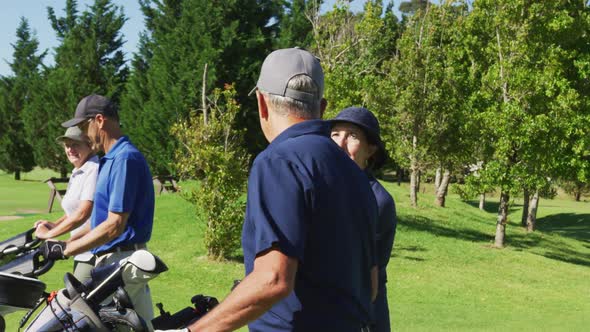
136 92
410 7
232 40
295 25
88 60
16 154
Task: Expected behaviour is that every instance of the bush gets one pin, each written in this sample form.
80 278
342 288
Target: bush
212 151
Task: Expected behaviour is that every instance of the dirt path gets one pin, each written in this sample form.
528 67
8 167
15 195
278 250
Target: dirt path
6 218
27 212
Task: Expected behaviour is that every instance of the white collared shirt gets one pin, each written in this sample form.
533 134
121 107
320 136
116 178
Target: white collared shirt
81 187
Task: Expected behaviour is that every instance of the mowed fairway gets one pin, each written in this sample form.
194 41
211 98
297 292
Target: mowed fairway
443 275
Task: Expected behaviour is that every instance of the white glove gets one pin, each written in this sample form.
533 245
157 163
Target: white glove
181 330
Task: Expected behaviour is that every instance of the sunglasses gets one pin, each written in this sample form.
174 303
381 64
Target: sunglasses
84 125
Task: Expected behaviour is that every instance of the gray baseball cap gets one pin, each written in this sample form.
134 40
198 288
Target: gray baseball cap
73 133
282 65
90 106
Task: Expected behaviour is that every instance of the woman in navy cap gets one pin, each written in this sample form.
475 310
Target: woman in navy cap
356 131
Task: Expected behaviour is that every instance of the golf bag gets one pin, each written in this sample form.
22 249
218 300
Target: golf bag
20 263
100 304
81 306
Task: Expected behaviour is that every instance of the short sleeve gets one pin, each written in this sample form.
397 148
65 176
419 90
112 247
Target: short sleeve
278 207
124 183
89 184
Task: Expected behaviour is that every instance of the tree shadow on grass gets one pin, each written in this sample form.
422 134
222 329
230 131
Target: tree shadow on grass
492 207
423 224
575 226
402 251
570 225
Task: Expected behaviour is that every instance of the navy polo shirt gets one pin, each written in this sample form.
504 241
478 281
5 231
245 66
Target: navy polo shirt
386 226
310 200
124 184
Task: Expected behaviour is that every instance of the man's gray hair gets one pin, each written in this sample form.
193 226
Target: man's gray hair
289 106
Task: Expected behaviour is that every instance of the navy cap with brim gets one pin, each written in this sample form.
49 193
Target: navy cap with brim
363 118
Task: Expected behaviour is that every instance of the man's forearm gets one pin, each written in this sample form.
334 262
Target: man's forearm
255 295
85 229
103 233
246 302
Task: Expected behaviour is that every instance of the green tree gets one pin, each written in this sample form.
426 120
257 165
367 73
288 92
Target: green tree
352 48
576 188
410 7
212 149
16 154
185 36
421 96
522 56
88 60
295 27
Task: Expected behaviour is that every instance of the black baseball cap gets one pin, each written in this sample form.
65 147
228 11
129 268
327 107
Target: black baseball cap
90 106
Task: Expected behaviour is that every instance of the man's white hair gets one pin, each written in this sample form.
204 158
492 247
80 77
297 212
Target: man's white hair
289 106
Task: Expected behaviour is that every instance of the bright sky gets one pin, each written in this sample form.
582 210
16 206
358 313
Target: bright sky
35 11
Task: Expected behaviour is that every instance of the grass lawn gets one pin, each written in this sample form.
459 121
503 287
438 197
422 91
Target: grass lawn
443 275
26 197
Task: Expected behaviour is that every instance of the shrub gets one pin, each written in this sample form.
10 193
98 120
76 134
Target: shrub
211 149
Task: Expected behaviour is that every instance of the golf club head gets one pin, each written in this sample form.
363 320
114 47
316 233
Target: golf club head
147 262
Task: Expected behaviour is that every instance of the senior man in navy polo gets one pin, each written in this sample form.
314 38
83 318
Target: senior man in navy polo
308 234
123 212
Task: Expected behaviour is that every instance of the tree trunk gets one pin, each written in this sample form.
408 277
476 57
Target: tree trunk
437 179
400 175
482 201
414 175
413 191
63 172
501 221
525 206
441 192
17 175
532 215
204 97
418 180
578 195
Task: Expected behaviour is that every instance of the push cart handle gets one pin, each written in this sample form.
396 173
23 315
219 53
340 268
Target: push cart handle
41 267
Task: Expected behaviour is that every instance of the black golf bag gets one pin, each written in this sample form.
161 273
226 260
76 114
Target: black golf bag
20 263
100 304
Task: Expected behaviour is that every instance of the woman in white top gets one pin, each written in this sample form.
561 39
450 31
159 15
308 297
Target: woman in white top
78 200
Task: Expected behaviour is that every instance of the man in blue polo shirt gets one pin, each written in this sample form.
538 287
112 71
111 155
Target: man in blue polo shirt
123 212
308 234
